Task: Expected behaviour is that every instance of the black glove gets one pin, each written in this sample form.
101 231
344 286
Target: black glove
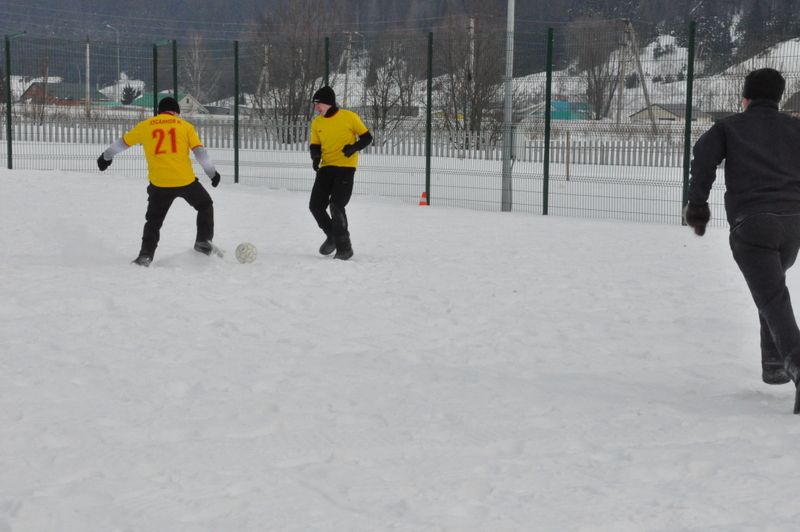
349 150
315 164
102 164
215 180
697 216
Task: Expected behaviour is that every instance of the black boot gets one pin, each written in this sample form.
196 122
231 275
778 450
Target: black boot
206 248
774 375
142 260
329 246
344 249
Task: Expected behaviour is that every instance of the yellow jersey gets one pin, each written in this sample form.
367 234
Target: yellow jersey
333 133
166 140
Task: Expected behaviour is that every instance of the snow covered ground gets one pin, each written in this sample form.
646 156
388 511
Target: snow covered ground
465 371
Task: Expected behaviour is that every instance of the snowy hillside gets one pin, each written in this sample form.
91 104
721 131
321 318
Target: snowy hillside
664 65
465 371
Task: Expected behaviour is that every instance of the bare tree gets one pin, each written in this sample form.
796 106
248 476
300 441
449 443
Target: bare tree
391 80
290 44
38 109
469 92
197 71
596 48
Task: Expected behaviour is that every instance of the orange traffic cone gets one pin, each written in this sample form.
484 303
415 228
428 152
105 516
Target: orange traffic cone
423 199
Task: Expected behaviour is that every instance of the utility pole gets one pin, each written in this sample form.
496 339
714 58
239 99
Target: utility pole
116 85
634 48
470 76
507 115
347 66
623 59
88 78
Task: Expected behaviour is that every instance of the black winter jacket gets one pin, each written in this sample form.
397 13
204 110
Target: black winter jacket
761 148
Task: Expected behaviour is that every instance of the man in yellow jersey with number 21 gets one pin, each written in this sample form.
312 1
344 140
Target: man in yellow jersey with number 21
167 140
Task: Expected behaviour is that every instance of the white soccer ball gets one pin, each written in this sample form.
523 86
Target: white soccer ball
246 252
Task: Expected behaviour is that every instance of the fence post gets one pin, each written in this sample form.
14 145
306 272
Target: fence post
9 132
327 61
687 135
235 111
155 79
548 91
175 69
428 118
508 116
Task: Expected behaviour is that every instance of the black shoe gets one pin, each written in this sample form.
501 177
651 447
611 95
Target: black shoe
774 375
206 248
328 247
142 260
343 254
793 371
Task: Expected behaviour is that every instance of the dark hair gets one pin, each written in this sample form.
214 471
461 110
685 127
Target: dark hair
764 84
169 104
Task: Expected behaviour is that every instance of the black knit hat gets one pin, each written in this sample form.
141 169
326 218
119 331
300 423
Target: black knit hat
169 104
325 95
764 84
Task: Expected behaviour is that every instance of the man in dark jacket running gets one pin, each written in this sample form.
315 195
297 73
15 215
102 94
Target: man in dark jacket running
337 135
761 149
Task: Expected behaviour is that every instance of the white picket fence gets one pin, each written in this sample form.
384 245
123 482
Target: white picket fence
592 151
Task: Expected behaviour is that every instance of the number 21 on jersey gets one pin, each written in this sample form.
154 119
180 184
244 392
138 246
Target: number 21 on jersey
160 135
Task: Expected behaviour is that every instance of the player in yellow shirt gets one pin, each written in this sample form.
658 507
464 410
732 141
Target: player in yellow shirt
167 140
337 135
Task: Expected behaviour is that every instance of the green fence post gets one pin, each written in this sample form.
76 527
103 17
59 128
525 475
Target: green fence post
687 135
8 103
327 60
548 97
155 71
175 69
155 79
235 111
9 131
428 119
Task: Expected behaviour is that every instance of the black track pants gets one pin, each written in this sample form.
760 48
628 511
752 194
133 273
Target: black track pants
159 200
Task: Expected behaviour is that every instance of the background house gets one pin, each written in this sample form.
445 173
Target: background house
188 103
669 112
559 110
66 94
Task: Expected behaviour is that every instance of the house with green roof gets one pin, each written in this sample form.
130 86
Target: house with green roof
188 103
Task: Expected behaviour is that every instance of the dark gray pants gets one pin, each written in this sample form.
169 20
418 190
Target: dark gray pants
764 247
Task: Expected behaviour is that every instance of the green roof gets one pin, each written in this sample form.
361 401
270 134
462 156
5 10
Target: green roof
146 99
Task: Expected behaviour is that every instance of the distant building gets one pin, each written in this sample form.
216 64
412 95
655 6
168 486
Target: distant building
561 110
67 94
716 116
669 112
188 103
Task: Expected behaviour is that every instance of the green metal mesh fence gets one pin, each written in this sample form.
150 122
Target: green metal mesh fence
617 110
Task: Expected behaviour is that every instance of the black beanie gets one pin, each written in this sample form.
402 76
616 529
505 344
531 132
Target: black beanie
325 95
764 84
169 104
